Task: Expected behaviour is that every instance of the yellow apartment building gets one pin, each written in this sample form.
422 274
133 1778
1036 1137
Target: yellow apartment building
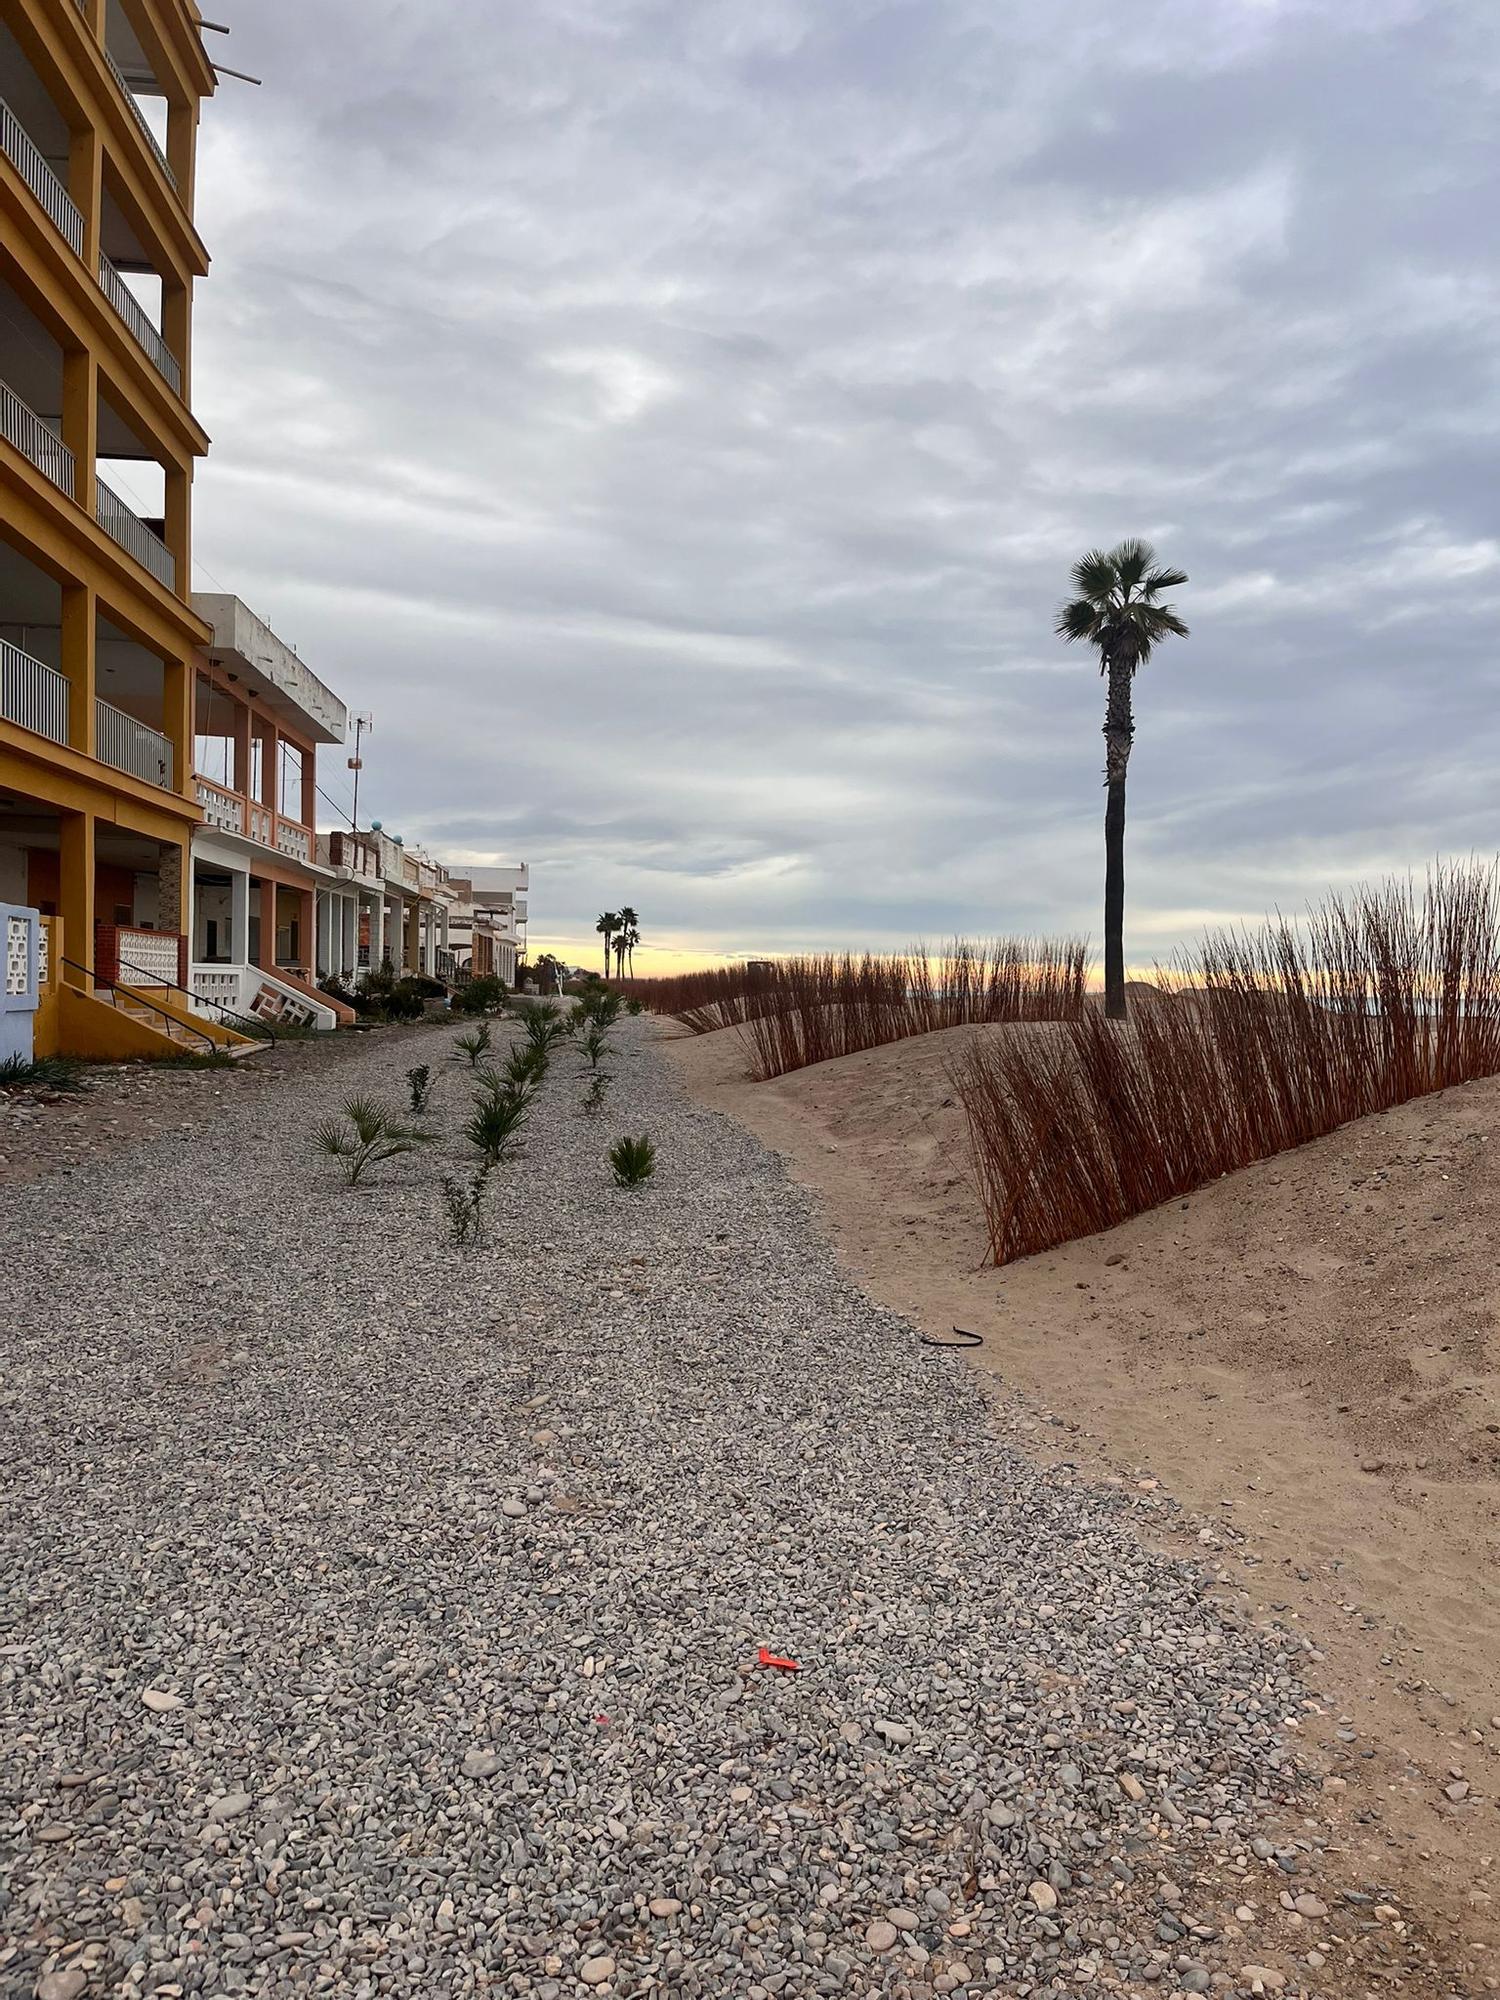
99 640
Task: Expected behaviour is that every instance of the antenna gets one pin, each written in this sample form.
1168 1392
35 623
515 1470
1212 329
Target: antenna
357 764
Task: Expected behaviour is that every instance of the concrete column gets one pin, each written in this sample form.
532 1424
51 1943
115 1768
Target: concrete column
179 523
240 782
351 937
79 662
177 688
86 186
309 786
177 330
75 902
307 945
80 422
377 931
239 917
265 956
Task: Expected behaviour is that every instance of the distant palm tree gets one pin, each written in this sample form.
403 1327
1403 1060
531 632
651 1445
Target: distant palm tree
630 934
607 925
1117 610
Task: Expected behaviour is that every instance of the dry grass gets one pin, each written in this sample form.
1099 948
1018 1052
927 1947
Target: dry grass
1261 1041
797 1011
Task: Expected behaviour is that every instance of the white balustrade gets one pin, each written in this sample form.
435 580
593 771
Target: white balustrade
21 426
21 150
33 695
127 745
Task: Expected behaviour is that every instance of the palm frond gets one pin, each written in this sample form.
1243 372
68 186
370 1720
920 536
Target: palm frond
1078 619
1157 580
1094 576
1131 560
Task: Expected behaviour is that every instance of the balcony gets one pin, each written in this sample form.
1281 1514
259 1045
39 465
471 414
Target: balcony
141 119
31 695
232 812
127 745
223 809
127 528
125 303
21 426
19 148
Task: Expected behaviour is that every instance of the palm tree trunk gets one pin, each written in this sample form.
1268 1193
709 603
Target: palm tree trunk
1119 731
606 954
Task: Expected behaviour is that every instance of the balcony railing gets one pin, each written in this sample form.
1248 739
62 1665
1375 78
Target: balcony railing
140 118
130 531
32 695
221 808
20 149
127 745
21 426
293 839
130 309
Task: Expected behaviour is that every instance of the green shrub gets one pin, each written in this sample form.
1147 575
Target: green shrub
595 1046
365 1135
463 1202
594 1096
496 1124
634 1161
634 1007
473 1045
485 995
419 1083
48 1072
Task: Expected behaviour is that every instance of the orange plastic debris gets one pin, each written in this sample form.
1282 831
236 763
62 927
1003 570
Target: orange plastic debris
769 1659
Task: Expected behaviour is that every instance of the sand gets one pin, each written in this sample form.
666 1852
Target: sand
1304 1356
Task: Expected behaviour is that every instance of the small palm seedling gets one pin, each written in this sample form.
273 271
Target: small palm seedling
634 1161
495 1125
525 1066
419 1083
364 1136
463 1202
45 1073
596 1046
594 1096
473 1046
634 1007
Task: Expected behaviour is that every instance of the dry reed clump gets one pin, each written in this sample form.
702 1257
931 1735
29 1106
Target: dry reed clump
703 1001
797 1011
1265 1040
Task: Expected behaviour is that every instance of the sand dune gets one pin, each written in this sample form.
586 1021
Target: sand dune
1304 1355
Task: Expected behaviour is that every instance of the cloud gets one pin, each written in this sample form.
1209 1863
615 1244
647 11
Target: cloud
676 425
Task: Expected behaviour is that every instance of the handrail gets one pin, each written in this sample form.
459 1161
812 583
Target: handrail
204 1000
136 995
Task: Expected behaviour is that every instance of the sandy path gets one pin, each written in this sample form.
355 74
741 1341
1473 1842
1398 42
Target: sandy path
1304 1357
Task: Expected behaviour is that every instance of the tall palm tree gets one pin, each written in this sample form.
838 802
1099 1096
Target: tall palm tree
607 925
1117 609
630 935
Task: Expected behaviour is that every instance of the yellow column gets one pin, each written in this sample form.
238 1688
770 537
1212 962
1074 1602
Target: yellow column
86 186
179 524
75 902
177 330
177 679
80 421
79 663
182 148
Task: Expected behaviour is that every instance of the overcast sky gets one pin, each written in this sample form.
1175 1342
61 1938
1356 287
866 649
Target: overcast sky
675 422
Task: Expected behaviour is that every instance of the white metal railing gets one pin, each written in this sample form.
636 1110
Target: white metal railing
225 810
130 531
127 745
293 840
22 427
21 150
33 695
134 314
140 118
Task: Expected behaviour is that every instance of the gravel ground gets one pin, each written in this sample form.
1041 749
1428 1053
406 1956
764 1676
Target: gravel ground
377 1618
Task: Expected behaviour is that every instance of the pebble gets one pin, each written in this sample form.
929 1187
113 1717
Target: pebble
463 1746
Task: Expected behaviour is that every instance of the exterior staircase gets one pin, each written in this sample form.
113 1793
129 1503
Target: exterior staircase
176 1036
